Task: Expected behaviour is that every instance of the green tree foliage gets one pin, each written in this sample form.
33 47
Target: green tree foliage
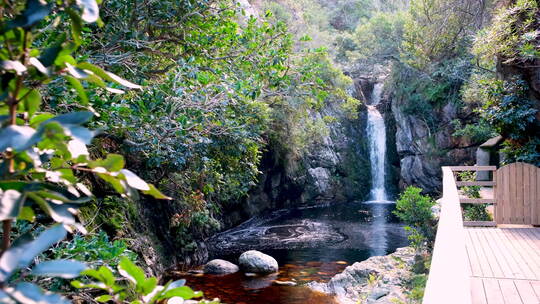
513 35
507 104
44 154
220 87
414 209
436 30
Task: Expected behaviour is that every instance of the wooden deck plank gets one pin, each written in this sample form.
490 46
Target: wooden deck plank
526 292
512 251
478 295
509 292
533 238
499 254
490 254
474 264
536 287
493 291
532 259
517 253
482 257
508 253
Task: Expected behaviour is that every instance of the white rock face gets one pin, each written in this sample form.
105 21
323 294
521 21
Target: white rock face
321 178
218 266
377 279
257 262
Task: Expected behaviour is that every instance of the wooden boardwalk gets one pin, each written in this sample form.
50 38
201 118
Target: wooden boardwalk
504 265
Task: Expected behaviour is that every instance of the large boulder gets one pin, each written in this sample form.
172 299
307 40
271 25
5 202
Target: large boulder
380 278
257 262
218 266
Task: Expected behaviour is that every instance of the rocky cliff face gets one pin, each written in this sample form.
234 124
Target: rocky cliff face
422 151
334 170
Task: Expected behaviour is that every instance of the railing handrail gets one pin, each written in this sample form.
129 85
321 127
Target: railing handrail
449 277
472 168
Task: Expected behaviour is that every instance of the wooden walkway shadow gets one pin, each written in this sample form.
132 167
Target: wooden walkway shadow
504 265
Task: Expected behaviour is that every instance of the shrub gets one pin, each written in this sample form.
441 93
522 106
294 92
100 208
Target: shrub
414 209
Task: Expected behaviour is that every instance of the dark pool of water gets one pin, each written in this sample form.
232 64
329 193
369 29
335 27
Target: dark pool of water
310 244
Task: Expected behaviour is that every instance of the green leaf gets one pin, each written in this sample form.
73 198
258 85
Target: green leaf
184 292
73 118
113 163
36 120
106 275
25 249
103 298
76 84
11 204
113 181
32 101
132 272
79 284
154 192
27 214
66 269
76 25
148 285
35 11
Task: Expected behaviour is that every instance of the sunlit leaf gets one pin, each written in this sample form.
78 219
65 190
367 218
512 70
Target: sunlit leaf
38 65
132 272
17 137
29 293
90 10
134 181
11 204
25 249
13 65
66 269
76 72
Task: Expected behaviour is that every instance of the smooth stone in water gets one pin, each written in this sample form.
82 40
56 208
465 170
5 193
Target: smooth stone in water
218 266
257 262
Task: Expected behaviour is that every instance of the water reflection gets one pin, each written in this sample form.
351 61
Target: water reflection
310 244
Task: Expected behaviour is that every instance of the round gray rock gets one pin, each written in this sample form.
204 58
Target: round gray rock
218 266
257 262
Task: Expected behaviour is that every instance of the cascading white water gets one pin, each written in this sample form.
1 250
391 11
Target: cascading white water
376 133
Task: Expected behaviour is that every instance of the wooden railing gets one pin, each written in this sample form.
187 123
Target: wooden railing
449 277
490 183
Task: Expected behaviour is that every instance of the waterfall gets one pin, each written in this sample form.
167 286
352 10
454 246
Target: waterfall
376 133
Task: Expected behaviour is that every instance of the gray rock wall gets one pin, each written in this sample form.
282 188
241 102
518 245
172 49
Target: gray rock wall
422 151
